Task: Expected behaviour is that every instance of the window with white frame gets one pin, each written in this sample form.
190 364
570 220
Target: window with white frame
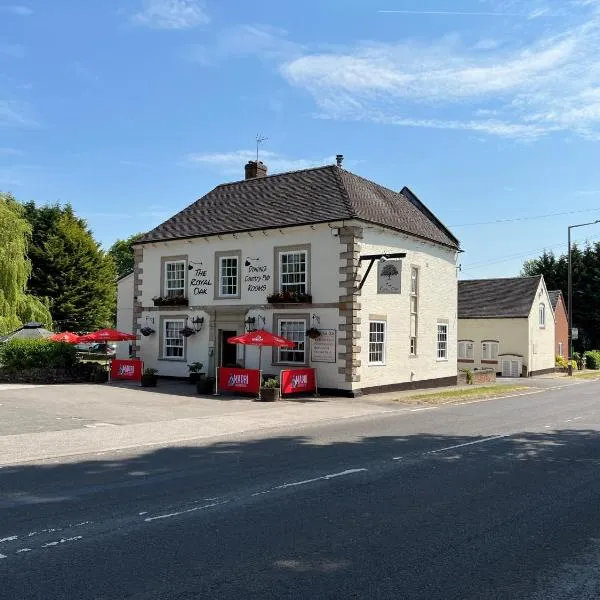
560 349
442 341
295 331
465 350
293 271
414 308
173 341
542 315
489 350
377 342
175 278
228 276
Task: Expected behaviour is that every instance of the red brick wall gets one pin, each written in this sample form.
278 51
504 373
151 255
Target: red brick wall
561 328
487 376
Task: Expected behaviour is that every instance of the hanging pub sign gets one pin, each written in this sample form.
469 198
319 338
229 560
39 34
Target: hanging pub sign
389 276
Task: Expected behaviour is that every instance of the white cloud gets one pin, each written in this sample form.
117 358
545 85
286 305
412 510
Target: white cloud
263 41
551 84
171 14
22 11
14 115
233 162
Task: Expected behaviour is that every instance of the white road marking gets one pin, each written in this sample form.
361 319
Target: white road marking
2 556
20 550
62 541
143 513
426 408
9 539
489 439
183 512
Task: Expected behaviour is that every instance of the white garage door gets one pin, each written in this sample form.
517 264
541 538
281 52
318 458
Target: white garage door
510 368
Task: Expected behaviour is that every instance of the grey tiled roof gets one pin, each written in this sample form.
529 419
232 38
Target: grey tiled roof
497 298
554 296
310 196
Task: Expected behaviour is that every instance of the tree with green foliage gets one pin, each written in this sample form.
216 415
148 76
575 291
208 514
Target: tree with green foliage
585 266
71 269
122 253
16 305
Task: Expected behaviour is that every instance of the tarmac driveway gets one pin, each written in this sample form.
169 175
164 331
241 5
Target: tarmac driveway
34 409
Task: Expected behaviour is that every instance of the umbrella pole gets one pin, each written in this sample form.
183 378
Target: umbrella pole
259 366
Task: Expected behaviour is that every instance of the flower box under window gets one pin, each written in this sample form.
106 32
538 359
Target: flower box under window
170 301
289 298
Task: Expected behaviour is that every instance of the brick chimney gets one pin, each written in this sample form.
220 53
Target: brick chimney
255 169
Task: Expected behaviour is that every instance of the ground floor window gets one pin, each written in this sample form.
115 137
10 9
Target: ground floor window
489 350
377 342
294 330
173 341
413 346
465 350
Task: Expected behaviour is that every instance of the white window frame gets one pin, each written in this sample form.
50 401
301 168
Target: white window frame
377 346
542 315
414 312
490 350
442 344
235 277
466 350
299 287
179 324
174 291
303 326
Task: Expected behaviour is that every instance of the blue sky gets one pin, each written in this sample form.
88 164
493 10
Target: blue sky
486 109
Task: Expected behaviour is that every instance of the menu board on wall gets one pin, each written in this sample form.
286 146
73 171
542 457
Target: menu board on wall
323 348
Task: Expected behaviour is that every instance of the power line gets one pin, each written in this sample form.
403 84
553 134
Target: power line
507 258
546 216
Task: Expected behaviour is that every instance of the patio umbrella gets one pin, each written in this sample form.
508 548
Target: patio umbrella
261 338
29 331
65 336
107 335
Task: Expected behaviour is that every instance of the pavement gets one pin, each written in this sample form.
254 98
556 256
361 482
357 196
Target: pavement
495 499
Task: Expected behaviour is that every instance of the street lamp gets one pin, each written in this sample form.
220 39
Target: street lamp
570 293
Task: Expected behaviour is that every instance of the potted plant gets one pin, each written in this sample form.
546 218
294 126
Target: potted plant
195 371
269 391
313 333
205 385
99 375
146 331
149 377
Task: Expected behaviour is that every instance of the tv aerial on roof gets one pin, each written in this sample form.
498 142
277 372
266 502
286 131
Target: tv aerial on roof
259 140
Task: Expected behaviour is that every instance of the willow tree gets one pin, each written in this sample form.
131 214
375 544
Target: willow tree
16 305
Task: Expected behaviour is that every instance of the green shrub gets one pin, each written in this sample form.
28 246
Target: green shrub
561 361
469 375
592 359
16 355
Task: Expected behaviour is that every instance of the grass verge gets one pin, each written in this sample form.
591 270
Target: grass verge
587 375
465 394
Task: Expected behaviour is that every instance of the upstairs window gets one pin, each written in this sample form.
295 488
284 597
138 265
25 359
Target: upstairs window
293 271
542 315
228 276
175 278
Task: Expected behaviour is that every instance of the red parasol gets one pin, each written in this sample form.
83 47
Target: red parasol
261 338
66 337
107 335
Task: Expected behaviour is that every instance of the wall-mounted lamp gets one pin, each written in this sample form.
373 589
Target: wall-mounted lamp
252 323
248 261
316 319
197 322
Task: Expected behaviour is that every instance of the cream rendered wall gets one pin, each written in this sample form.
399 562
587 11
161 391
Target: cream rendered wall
258 246
541 346
438 292
512 335
124 312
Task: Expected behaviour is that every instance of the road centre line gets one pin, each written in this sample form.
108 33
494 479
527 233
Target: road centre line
183 512
482 441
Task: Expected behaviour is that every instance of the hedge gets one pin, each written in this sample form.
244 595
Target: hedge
592 359
16 355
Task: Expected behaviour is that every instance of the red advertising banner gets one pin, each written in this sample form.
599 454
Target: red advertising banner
130 370
298 381
243 381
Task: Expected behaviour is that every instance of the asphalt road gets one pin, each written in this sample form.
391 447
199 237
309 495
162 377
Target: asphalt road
497 499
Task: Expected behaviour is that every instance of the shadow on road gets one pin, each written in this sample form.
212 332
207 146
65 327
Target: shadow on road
418 509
